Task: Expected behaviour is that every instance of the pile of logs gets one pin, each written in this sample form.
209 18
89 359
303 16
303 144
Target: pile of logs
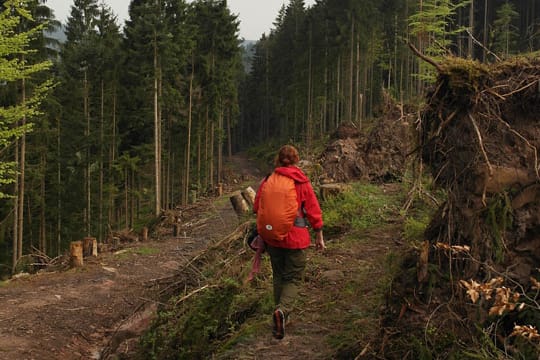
242 201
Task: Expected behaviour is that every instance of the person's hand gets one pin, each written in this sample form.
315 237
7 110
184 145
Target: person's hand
319 241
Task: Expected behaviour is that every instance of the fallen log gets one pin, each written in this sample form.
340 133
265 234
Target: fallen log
239 204
249 195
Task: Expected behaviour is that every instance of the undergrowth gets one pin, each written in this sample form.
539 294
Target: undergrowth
363 207
220 313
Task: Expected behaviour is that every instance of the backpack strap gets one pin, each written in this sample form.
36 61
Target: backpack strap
300 220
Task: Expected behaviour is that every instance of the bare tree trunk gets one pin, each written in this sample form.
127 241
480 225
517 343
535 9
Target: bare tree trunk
157 160
338 86
351 78
357 117
199 150
86 110
22 165
309 120
42 221
219 172
212 149
16 253
59 193
229 136
126 196
101 159
485 38
324 120
471 26
112 159
190 114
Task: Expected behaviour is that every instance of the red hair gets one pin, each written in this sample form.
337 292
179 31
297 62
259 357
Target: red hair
287 156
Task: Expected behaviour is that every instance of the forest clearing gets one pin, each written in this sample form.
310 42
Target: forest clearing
129 155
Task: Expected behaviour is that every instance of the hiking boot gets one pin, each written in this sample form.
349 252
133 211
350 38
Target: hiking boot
279 324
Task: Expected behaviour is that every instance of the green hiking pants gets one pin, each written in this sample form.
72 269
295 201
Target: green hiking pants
288 267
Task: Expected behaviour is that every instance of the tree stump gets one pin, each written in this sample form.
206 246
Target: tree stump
76 254
219 189
89 246
239 204
249 195
176 230
144 234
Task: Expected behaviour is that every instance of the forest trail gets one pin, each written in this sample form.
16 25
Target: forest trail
106 305
77 313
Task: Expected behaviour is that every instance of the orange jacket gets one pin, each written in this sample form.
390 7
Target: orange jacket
298 237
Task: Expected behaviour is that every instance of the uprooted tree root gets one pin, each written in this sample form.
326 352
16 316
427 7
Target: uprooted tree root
480 136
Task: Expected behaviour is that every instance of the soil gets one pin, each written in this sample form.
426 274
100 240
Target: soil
101 309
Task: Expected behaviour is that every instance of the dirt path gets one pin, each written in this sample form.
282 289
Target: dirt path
102 308
78 313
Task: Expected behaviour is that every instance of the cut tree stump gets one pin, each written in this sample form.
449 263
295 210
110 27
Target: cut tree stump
219 189
89 246
76 254
239 204
249 195
144 234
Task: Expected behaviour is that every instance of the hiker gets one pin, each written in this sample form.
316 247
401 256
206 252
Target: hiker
282 207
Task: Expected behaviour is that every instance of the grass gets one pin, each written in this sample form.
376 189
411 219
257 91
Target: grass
363 207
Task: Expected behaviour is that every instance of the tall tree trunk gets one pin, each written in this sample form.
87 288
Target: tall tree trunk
199 151
485 32
357 117
112 159
22 176
42 220
338 86
126 196
212 150
471 27
101 160
220 143
229 135
309 120
324 111
351 71
206 146
16 253
86 110
157 160
59 192
190 114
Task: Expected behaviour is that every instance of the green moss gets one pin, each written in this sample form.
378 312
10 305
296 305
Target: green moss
363 207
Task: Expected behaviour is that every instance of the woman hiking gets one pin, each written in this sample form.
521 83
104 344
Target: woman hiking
285 203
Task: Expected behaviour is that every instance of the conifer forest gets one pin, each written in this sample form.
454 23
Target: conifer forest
120 121
107 126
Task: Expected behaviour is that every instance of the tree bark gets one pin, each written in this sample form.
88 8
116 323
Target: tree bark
157 167
89 246
249 195
76 254
190 114
144 234
239 204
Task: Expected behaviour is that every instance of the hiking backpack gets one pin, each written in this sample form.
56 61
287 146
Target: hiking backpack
278 207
